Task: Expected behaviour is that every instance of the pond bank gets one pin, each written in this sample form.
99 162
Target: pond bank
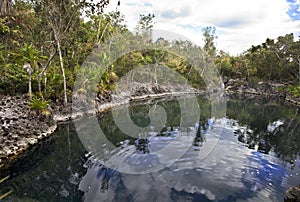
68 115
266 89
21 128
65 114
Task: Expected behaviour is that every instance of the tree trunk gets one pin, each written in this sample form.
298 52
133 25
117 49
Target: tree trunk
101 37
63 72
5 7
45 84
28 68
43 73
98 29
61 63
29 85
299 69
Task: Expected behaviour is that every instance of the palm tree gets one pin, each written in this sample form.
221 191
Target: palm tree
29 70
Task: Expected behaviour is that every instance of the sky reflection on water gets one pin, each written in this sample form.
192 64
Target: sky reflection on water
255 159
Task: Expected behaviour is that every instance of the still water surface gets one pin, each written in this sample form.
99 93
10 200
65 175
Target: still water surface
255 158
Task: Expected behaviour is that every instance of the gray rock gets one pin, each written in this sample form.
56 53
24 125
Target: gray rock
293 194
20 127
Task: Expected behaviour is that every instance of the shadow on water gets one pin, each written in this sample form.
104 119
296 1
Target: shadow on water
54 177
256 159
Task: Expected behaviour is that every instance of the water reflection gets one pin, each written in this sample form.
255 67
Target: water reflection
237 169
142 145
268 128
256 159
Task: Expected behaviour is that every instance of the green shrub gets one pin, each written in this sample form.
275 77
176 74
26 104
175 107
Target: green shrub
295 90
41 106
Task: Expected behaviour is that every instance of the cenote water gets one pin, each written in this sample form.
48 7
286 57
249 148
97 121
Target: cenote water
252 154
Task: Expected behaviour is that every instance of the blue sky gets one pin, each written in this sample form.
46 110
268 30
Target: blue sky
294 9
239 23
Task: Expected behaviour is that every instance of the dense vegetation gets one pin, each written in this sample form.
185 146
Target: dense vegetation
276 59
44 42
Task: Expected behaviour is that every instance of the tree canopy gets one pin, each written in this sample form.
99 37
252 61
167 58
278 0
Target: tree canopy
55 37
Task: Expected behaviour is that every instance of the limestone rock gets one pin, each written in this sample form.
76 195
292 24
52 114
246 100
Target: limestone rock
20 127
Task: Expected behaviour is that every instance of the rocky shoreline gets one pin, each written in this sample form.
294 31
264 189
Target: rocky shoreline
266 89
21 128
293 194
106 101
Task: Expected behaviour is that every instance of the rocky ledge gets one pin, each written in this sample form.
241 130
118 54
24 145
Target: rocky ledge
293 194
268 89
21 128
106 100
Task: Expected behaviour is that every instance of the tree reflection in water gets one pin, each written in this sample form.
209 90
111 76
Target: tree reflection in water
263 128
267 127
258 162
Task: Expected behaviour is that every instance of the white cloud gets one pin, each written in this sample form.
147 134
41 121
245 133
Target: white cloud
239 24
